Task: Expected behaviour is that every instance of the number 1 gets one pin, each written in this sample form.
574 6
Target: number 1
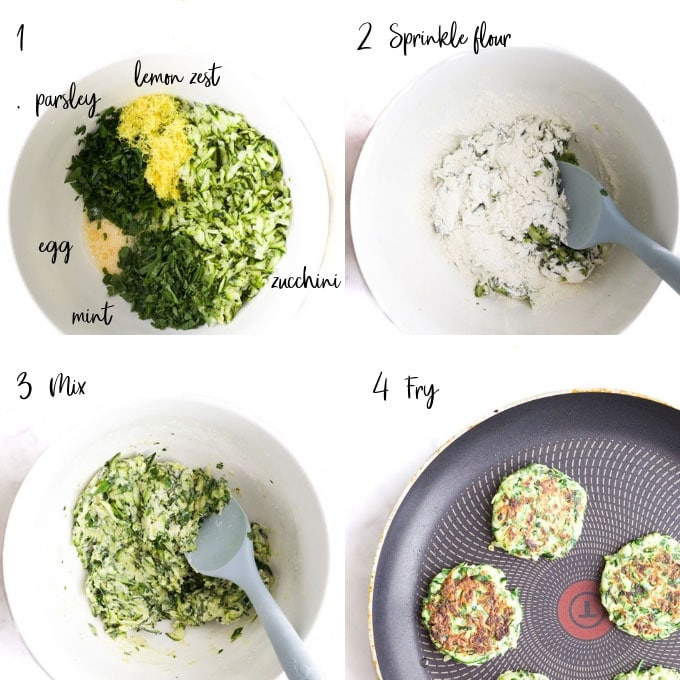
20 35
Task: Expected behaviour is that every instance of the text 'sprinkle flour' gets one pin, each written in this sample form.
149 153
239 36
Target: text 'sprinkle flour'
498 205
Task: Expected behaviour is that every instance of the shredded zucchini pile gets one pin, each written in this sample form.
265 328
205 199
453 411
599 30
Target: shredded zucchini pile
132 524
204 196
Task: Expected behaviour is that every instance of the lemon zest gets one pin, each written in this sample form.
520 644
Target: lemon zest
157 127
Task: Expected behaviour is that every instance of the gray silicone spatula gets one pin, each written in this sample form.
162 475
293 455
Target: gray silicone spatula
593 219
224 550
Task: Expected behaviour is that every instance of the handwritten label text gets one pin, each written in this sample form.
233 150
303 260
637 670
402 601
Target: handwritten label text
71 100
209 78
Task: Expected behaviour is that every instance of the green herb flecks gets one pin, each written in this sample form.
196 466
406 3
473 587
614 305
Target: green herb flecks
494 285
108 174
567 156
556 255
166 278
132 540
538 235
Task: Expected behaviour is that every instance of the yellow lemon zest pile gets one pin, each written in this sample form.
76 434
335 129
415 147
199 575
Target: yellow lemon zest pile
155 125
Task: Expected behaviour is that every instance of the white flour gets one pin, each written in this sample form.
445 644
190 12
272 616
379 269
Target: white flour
498 205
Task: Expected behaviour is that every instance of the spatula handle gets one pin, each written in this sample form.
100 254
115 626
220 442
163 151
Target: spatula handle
655 256
293 656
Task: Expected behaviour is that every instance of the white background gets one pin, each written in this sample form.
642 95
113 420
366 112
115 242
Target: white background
479 374
284 382
637 47
313 382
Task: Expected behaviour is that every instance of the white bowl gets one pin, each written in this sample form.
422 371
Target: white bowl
43 208
401 257
44 579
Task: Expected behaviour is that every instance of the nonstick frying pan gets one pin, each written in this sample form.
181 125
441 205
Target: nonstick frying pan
624 450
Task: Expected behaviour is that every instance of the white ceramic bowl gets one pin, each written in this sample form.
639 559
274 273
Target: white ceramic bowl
44 579
401 257
43 209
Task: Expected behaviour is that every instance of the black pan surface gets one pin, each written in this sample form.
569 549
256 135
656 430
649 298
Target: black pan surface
624 450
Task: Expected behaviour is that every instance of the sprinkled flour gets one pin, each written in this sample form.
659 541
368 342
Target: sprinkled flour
498 205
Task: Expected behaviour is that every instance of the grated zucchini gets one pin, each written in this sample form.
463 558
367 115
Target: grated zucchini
132 524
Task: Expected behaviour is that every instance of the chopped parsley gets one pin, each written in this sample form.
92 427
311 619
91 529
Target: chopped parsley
108 174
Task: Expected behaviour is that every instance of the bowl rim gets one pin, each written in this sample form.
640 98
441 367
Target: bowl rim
124 415
362 165
246 74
